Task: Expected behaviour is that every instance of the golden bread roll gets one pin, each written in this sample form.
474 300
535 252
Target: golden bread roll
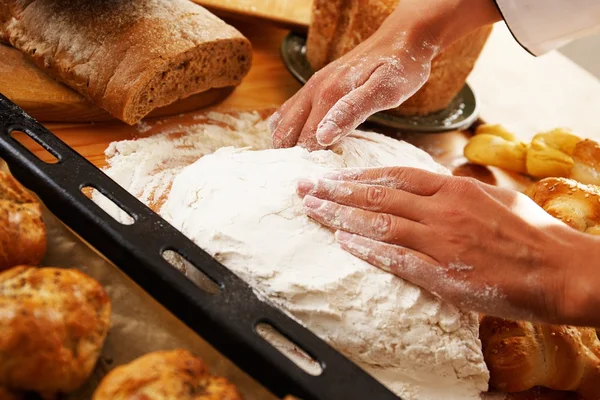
586 159
22 230
165 375
522 355
576 204
493 145
550 154
54 323
339 26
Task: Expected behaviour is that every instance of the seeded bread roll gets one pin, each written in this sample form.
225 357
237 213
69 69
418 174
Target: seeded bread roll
337 26
128 56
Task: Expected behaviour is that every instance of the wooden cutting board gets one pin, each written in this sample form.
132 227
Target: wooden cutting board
49 101
287 14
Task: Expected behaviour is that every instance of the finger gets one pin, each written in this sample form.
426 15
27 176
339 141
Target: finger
413 180
366 197
379 92
378 226
345 78
292 119
403 262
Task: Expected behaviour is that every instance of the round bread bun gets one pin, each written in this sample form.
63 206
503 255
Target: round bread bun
586 158
165 375
54 323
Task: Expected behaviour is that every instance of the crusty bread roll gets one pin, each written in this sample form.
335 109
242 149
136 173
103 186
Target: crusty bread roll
22 230
54 323
576 204
128 56
338 26
522 355
165 375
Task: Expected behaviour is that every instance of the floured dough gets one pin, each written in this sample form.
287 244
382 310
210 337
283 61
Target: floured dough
241 206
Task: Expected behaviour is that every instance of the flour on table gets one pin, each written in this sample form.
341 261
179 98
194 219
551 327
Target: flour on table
241 206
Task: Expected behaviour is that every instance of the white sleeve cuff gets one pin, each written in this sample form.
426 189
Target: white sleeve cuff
544 25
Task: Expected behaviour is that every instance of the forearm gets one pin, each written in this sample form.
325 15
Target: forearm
581 265
440 22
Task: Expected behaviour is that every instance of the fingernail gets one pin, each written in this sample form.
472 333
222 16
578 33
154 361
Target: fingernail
343 236
273 121
305 186
328 132
312 202
277 142
341 174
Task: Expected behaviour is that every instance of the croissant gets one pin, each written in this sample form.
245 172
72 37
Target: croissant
521 355
551 154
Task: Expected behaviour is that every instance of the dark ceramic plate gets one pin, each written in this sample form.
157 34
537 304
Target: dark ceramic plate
461 114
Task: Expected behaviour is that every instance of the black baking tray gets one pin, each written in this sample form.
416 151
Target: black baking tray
227 319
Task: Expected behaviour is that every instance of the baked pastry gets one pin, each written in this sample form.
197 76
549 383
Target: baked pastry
54 323
22 230
586 162
522 355
165 375
576 204
551 154
493 145
128 56
338 26
557 153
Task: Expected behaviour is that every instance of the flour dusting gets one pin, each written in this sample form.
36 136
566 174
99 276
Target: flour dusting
241 206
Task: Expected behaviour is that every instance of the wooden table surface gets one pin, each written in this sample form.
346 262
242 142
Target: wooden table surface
514 88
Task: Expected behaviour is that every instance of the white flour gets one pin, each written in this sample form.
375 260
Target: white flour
241 206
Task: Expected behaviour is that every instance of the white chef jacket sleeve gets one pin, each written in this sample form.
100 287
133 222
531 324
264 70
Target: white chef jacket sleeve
544 25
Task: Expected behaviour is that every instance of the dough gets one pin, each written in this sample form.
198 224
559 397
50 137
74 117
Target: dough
241 206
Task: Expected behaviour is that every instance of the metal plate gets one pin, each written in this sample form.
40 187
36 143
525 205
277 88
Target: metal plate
461 114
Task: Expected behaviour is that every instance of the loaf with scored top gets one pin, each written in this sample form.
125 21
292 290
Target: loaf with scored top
128 56
337 26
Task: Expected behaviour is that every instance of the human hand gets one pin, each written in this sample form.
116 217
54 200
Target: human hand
477 246
379 74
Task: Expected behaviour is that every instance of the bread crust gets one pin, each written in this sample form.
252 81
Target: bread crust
522 355
128 57
340 25
22 229
574 203
54 323
165 375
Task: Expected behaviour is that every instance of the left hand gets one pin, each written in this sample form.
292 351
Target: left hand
480 247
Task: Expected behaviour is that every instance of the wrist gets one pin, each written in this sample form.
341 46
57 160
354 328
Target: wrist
581 266
439 23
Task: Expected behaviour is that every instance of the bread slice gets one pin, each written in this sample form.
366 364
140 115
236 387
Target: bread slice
337 26
128 56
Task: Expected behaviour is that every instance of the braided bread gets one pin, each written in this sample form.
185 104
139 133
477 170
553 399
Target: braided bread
557 153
